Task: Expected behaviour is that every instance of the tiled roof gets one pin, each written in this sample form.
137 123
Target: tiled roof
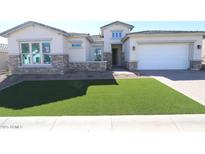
150 32
75 34
3 47
165 32
43 25
97 38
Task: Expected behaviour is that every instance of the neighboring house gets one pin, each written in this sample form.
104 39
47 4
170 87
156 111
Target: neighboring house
3 57
36 48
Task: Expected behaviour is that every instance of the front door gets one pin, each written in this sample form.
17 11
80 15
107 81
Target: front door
114 56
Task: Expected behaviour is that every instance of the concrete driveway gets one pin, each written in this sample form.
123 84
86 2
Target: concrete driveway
190 83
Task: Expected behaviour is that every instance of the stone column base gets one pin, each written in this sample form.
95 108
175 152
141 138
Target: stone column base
195 64
107 56
132 66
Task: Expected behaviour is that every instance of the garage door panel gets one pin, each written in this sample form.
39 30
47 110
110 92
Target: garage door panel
163 56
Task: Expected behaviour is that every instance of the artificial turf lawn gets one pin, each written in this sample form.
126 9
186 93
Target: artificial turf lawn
94 97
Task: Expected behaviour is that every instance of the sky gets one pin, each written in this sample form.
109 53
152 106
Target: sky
93 27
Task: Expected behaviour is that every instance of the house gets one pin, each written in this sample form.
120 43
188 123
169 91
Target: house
3 57
35 48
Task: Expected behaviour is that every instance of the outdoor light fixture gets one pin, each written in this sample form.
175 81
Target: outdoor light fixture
198 46
133 48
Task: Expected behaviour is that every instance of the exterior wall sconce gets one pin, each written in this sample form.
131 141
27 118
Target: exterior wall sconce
198 46
133 48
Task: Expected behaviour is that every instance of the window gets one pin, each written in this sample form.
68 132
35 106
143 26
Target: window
25 49
35 53
36 56
46 49
116 34
76 45
98 54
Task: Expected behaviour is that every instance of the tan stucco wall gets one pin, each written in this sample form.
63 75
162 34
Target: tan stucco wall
77 54
126 48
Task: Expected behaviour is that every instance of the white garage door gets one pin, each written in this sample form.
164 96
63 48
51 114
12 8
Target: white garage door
163 56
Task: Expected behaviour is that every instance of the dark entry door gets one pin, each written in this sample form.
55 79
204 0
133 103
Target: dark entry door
114 56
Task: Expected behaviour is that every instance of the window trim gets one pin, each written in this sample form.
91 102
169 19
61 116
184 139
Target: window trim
42 64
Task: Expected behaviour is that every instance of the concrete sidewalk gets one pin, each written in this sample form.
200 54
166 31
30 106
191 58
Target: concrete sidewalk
138 123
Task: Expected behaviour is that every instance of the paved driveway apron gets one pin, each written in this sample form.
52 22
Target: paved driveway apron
190 83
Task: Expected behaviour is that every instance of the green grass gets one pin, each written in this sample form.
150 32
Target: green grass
94 97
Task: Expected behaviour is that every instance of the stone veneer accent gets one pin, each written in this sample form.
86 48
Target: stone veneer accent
88 66
59 65
195 64
131 65
107 56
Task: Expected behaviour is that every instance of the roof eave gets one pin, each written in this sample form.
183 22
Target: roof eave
90 38
82 35
9 31
128 25
124 38
140 34
30 23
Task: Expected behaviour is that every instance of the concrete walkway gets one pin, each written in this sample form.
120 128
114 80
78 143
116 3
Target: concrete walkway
148 123
189 83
